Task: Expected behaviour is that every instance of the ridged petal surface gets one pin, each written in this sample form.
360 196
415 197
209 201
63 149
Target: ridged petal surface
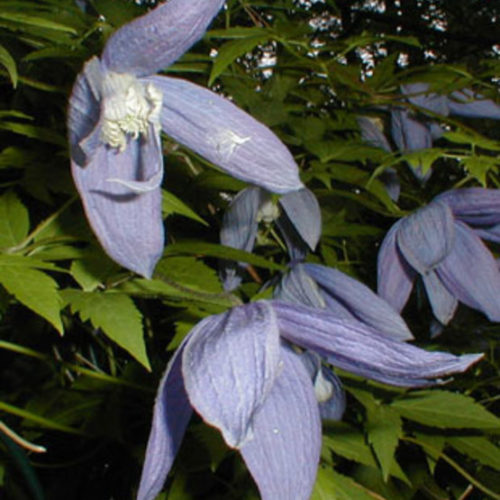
443 303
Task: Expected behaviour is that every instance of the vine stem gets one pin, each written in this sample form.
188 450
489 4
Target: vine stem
23 443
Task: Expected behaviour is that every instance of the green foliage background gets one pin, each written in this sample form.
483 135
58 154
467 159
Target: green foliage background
83 343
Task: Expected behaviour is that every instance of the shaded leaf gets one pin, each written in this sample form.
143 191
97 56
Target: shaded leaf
14 220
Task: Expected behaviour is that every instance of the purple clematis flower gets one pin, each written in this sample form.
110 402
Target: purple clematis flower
238 371
117 109
449 256
297 215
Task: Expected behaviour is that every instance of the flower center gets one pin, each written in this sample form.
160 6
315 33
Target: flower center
129 108
323 389
268 212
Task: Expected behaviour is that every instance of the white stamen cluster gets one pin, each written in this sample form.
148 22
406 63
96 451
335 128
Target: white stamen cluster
268 212
129 108
323 388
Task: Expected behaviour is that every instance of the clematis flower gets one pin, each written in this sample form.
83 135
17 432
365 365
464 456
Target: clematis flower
117 109
447 254
323 287
297 215
237 370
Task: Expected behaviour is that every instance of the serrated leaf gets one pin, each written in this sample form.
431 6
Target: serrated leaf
117 316
92 269
173 205
433 450
477 447
31 287
384 429
8 62
348 442
330 485
14 220
232 50
445 409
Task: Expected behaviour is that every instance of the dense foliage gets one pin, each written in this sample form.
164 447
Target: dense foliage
83 342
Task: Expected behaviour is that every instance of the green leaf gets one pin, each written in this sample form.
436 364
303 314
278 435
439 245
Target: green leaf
31 287
32 131
330 485
232 50
384 429
445 410
8 62
39 22
117 316
348 442
93 269
14 220
477 447
173 205
434 449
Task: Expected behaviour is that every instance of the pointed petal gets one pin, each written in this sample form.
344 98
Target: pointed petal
327 387
171 415
443 303
296 246
84 111
361 302
408 133
302 208
417 94
471 273
389 178
354 347
475 206
216 129
128 225
465 103
394 276
229 364
283 456
297 287
427 236
157 39
372 134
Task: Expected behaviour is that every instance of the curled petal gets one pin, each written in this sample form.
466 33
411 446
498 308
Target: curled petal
157 39
128 225
215 128
359 349
372 134
361 302
471 273
465 103
84 111
283 455
230 364
171 415
443 303
417 94
427 236
297 287
394 276
475 206
302 208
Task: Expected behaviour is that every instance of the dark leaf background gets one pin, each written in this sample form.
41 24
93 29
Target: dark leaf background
83 343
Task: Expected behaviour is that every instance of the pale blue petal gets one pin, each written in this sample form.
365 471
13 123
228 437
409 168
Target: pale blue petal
443 303
417 94
408 133
297 287
283 455
427 236
84 111
475 206
394 276
216 129
157 39
361 302
128 225
171 415
465 103
471 273
372 134
229 365
491 233
302 208
359 349
327 387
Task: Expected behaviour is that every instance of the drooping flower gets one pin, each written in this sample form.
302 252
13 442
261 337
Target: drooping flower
297 215
452 261
117 109
323 287
239 372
